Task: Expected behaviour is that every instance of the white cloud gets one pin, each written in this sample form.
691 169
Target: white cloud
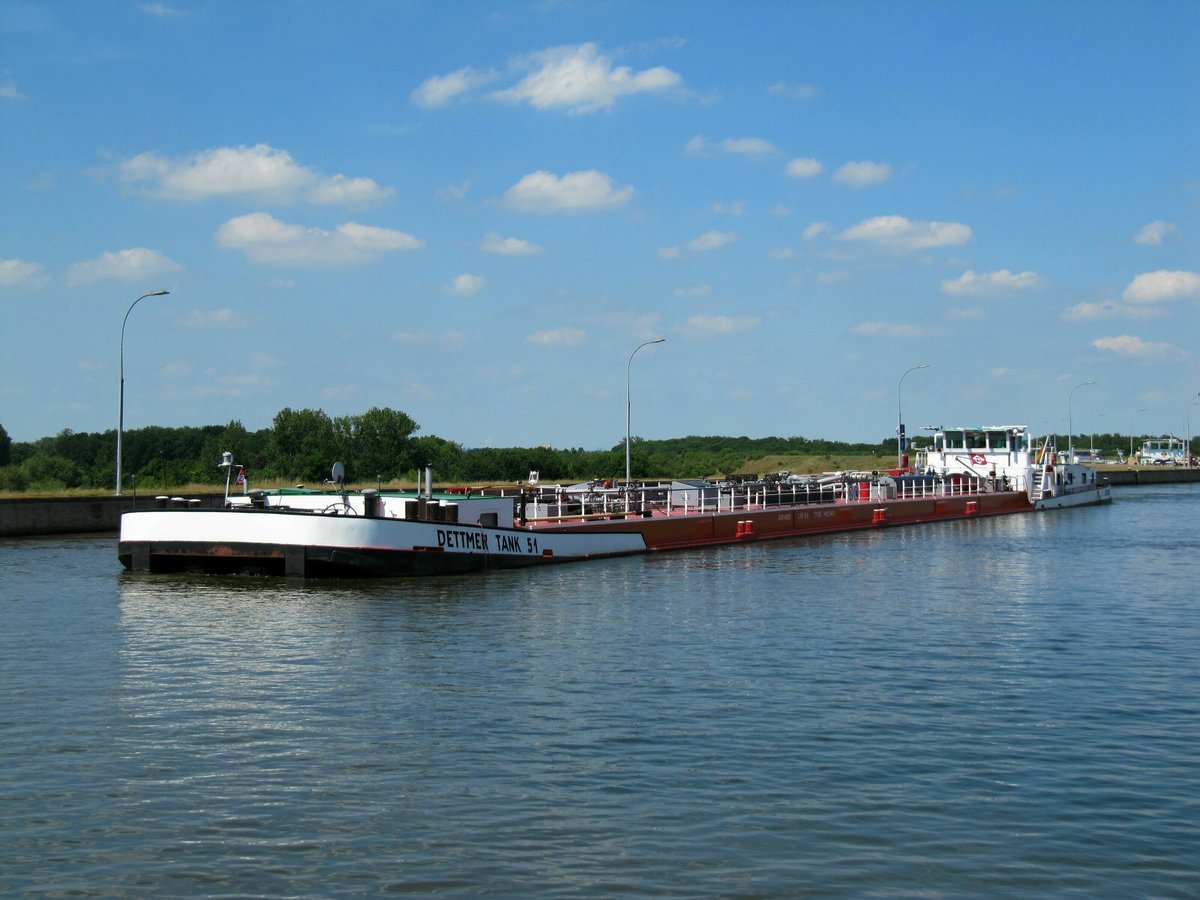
580 79
710 326
161 11
260 172
10 91
794 91
544 192
440 90
992 282
815 230
902 234
15 272
342 191
804 168
467 285
558 337
862 174
1163 285
123 265
711 240
888 329
493 243
736 208
264 239
1083 312
1128 345
212 318
705 243
699 290
751 147
1153 234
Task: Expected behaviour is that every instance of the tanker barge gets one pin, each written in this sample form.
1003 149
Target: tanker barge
967 473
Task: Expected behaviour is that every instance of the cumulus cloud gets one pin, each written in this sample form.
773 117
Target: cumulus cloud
804 168
1135 347
902 234
10 91
15 272
580 79
212 318
493 243
259 172
1162 286
1082 312
123 265
749 147
160 10
862 174
1153 234
264 239
466 285
888 329
441 89
992 282
815 230
544 192
558 337
705 243
711 240
794 91
711 326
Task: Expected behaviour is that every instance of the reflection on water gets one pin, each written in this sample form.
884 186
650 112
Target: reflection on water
1003 706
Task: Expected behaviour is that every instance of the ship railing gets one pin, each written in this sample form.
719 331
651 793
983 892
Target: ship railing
710 497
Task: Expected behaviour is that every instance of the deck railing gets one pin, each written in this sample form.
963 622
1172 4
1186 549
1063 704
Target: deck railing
664 500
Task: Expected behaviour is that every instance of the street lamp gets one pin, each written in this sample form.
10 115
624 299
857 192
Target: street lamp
900 442
628 473
1136 411
1187 451
121 407
1070 422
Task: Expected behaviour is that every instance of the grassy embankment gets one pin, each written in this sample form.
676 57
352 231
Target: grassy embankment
800 465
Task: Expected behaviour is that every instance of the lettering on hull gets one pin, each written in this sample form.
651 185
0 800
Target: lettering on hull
462 539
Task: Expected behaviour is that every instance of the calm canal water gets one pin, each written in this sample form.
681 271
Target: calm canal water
1000 707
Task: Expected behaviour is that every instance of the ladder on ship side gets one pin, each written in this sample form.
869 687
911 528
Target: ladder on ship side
1039 471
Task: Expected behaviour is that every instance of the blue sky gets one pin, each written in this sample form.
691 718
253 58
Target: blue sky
475 212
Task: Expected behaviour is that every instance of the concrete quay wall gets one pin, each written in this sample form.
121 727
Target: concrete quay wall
25 517
1131 475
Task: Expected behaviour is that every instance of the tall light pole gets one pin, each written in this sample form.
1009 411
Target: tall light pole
1136 411
1187 450
121 407
1070 422
900 441
628 365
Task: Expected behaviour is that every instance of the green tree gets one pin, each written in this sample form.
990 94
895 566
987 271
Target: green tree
379 444
5 447
303 444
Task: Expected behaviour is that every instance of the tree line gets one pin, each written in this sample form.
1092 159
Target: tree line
380 445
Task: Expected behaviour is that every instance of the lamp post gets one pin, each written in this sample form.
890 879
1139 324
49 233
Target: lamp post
121 405
900 441
1070 422
1187 449
1136 411
628 365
